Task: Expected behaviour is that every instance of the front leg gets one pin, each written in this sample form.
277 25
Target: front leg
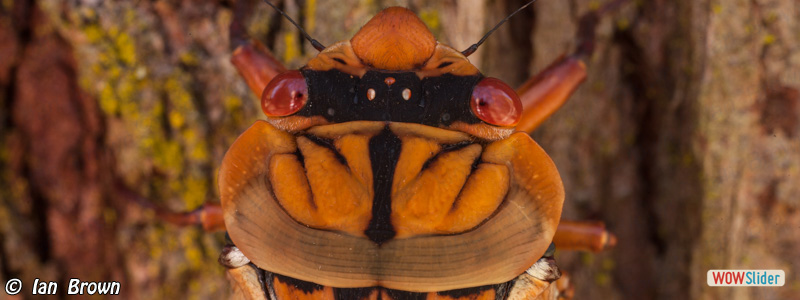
253 61
545 93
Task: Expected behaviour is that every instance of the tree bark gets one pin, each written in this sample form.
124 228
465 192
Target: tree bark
683 139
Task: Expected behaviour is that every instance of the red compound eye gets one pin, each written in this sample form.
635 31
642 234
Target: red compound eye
286 94
494 102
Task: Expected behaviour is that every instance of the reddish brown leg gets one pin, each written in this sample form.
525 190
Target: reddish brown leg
209 216
546 92
583 236
253 61
257 65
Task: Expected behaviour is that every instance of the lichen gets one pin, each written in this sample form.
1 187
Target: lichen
310 11
432 19
158 115
292 50
769 39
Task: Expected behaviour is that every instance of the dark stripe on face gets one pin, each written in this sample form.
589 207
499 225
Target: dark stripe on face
501 290
466 292
384 151
327 143
433 101
403 295
305 286
353 294
448 148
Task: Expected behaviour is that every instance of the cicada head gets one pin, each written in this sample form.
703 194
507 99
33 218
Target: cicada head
393 70
390 161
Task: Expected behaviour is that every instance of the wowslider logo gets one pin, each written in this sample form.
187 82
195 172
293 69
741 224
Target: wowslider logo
746 278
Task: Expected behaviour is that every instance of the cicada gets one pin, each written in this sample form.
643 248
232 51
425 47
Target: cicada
389 167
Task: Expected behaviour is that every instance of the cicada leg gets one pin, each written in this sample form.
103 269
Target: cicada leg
579 236
583 236
543 94
209 216
546 92
544 280
253 61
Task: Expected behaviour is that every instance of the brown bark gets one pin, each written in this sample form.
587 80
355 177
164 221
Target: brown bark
683 139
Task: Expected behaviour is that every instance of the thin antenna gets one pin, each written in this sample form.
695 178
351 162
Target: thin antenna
317 45
475 46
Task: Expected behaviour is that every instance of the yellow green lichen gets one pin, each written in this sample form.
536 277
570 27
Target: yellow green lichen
587 258
608 264
127 52
602 279
194 191
716 8
193 256
292 50
120 85
594 5
769 39
623 24
159 128
188 58
310 12
233 104
432 19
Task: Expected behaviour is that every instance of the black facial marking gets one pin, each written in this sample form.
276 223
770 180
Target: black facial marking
384 151
447 148
395 294
501 290
263 278
444 64
351 294
467 291
327 143
300 158
434 101
305 286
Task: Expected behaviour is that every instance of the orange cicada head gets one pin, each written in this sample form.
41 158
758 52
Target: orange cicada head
393 70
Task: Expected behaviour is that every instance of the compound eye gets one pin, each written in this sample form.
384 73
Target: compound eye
495 102
286 94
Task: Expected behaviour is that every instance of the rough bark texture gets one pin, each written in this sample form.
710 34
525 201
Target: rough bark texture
683 139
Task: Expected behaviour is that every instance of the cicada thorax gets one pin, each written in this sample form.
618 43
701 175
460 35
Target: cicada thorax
388 166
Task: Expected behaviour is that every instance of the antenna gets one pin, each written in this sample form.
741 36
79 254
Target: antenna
475 46
317 45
